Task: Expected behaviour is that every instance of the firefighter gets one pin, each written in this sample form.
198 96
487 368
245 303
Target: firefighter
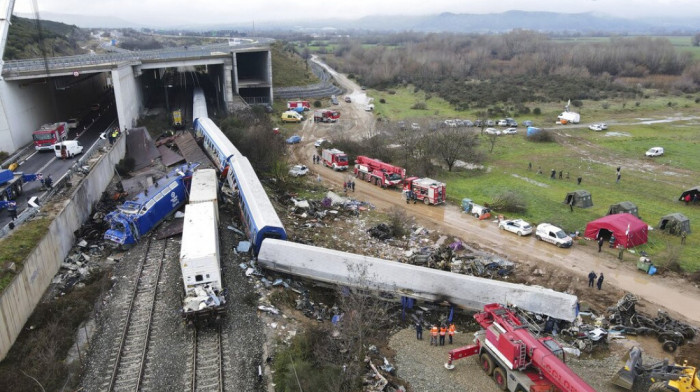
434 335
443 331
12 209
451 331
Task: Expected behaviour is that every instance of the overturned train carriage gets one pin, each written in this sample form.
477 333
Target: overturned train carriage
342 268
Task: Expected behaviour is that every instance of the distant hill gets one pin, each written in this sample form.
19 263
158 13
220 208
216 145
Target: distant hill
58 39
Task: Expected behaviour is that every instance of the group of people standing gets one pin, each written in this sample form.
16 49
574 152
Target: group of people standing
436 334
316 159
592 279
350 184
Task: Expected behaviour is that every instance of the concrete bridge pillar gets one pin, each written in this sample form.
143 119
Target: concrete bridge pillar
229 86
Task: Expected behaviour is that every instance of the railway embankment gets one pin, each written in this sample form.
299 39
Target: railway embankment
20 297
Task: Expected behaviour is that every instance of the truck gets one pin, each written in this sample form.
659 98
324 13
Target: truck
291 116
518 361
326 116
378 173
663 376
177 119
335 159
49 134
567 116
11 184
426 189
134 218
294 105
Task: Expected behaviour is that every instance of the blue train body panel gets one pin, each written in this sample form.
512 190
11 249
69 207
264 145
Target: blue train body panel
257 212
135 218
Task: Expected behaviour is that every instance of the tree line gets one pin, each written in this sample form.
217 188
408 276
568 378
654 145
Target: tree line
519 66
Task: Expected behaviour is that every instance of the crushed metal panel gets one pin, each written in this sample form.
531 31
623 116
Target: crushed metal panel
169 157
191 151
140 147
336 267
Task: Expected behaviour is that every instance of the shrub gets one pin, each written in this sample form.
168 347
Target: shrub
577 103
637 104
391 92
605 105
509 201
537 111
420 106
398 220
317 104
382 100
541 137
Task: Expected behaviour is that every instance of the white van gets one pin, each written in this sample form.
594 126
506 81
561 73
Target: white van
655 152
67 149
554 235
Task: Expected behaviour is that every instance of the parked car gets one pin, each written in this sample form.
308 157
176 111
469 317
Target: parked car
502 123
415 126
334 100
467 123
478 123
347 99
490 123
598 127
511 123
509 131
459 123
320 142
369 107
294 139
655 152
401 124
450 123
492 131
73 123
517 226
527 123
554 235
298 170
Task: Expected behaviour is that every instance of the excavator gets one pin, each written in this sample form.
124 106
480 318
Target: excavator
663 376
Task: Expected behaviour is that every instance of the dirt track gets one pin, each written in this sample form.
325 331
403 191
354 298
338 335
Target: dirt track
676 295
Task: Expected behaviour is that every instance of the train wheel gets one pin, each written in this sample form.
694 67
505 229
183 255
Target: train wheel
669 346
486 363
499 376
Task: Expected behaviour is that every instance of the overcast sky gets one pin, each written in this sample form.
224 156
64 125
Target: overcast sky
165 12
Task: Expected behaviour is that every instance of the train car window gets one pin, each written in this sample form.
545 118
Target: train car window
164 192
150 204
158 196
198 278
173 185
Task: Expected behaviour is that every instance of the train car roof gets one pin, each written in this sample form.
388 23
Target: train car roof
224 145
199 232
204 186
199 105
260 206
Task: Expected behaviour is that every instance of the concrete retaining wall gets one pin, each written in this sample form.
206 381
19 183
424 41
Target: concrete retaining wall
470 292
18 300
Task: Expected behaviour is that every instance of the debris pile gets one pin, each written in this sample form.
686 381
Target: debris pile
670 332
202 297
76 267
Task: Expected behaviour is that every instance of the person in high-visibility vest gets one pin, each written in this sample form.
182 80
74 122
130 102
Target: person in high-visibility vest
451 331
443 331
434 335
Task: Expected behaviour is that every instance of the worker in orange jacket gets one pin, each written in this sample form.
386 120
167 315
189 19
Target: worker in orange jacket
443 331
451 331
434 335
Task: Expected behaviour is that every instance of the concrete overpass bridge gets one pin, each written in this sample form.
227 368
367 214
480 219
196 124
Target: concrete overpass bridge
38 91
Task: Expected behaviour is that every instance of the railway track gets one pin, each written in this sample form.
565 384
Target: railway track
207 360
130 360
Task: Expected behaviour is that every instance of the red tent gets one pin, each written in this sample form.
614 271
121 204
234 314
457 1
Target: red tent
628 230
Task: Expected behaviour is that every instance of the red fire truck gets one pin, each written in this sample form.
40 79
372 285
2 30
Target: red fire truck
378 173
517 360
293 105
426 189
50 134
326 116
335 159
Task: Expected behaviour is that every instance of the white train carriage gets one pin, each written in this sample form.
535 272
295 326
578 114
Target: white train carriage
204 188
200 263
215 143
199 105
257 213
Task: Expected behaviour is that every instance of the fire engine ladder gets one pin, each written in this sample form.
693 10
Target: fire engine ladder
522 355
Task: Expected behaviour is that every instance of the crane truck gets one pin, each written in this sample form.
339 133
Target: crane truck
517 360
378 173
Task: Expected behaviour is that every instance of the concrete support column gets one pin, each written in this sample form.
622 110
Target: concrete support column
269 74
228 87
127 95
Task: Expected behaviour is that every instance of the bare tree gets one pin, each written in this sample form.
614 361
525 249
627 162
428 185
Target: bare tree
451 144
492 141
